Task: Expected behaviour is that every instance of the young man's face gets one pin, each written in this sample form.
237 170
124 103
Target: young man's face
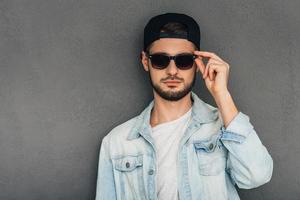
159 78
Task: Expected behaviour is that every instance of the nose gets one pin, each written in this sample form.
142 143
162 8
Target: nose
172 69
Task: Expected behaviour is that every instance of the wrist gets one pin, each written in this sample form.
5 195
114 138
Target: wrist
224 94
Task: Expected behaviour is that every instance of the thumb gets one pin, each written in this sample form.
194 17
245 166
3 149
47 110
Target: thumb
200 65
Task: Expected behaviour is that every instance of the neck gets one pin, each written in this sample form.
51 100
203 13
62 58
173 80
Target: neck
165 111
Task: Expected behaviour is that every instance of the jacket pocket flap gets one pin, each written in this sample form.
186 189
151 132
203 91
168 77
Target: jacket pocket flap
128 163
206 145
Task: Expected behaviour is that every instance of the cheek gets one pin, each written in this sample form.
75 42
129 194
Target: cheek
155 76
189 77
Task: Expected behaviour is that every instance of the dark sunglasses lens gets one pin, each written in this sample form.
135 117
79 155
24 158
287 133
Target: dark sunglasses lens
160 61
184 61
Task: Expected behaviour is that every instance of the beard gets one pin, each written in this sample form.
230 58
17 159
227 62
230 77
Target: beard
172 95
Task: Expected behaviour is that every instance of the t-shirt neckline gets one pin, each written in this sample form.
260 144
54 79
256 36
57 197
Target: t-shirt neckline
181 118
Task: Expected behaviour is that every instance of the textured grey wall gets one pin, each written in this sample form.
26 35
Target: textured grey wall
70 72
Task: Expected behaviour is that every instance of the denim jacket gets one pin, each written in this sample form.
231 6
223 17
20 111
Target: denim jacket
211 159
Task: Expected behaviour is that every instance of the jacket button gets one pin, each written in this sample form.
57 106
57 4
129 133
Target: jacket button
211 146
150 172
127 165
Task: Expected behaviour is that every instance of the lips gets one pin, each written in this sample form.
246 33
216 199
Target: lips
172 83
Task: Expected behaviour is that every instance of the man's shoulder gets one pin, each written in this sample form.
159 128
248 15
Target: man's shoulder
122 130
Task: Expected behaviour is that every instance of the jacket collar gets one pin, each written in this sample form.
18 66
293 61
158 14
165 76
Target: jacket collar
201 113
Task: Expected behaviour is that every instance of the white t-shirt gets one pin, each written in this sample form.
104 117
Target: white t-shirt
167 137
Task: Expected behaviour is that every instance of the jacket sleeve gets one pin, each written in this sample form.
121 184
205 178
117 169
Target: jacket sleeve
105 181
248 163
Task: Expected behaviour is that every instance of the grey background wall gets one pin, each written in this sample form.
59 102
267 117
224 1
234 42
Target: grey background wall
70 72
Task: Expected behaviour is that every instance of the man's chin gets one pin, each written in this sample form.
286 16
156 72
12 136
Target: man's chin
172 91
172 94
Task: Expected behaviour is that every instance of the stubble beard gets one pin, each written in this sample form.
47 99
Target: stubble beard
172 95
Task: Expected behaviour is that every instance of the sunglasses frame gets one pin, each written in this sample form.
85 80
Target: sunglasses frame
172 58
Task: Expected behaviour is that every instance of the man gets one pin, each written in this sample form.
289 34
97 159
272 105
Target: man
180 147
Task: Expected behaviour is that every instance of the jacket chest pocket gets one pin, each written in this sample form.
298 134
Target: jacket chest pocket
128 172
211 156
128 163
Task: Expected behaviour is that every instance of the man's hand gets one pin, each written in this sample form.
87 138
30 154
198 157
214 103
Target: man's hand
215 74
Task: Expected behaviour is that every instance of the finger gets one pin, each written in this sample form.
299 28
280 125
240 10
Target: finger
206 71
211 62
214 60
213 70
200 64
208 54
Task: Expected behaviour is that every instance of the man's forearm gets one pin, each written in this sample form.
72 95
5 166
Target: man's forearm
226 106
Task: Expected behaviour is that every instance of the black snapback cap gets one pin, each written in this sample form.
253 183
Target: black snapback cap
152 29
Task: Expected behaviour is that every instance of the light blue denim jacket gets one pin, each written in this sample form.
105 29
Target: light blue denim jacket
212 160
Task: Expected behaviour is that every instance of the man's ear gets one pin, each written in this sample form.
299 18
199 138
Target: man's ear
144 61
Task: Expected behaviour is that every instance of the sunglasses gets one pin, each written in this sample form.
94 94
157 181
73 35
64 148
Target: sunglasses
183 61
